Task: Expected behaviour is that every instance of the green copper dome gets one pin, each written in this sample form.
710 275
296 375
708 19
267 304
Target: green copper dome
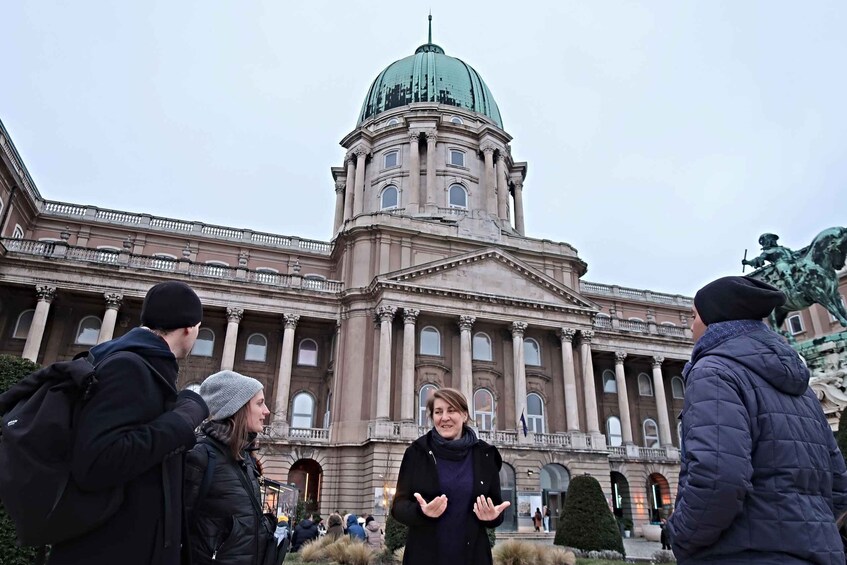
429 76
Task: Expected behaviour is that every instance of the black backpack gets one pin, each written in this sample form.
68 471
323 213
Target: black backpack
36 447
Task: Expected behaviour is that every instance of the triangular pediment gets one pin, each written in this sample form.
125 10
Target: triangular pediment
491 273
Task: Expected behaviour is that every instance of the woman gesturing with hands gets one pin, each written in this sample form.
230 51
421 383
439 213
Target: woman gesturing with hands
448 488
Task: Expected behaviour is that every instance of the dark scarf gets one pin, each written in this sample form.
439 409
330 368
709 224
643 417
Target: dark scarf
719 332
456 449
221 431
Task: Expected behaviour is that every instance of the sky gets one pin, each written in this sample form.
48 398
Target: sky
662 137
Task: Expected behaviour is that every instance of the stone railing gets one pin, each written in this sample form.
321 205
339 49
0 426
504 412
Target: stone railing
638 453
602 322
91 213
309 434
671 331
589 288
618 450
61 251
632 326
498 437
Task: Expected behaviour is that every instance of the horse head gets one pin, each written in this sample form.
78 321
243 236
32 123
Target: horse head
829 248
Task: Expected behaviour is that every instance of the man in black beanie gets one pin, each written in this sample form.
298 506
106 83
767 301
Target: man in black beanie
762 480
133 431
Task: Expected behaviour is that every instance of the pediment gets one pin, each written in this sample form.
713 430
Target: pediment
494 274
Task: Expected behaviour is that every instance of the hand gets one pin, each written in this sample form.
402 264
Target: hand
191 408
433 508
486 511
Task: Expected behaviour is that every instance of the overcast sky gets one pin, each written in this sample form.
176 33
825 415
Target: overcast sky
662 137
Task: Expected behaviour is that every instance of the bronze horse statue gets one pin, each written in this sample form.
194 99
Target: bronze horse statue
808 276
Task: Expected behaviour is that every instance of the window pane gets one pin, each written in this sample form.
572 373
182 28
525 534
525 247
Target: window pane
302 411
613 431
534 405
481 347
645 387
389 198
610 385
307 353
257 348
484 409
205 343
391 159
795 324
23 325
430 342
89 331
531 352
678 387
457 158
651 433
423 397
458 196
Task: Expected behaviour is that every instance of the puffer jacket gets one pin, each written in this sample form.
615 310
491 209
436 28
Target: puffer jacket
225 527
375 538
354 530
762 479
304 532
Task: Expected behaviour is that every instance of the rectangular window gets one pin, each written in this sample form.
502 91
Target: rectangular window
457 158
391 159
795 324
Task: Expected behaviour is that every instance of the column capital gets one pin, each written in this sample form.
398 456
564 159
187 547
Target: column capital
360 151
234 314
466 323
113 300
488 148
349 158
415 136
518 184
386 313
340 185
290 321
586 336
410 315
45 292
518 328
657 361
619 357
567 334
431 135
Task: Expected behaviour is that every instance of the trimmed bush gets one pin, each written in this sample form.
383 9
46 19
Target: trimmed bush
587 523
395 534
13 369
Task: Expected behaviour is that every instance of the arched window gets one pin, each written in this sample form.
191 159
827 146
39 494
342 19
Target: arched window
458 196
457 158
481 347
303 411
18 232
531 352
678 387
205 344
388 199
328 411
257 348
483 409
392 159
534 413
88 331
393 122
307 353
610 385
645 385
613 431
651 433
456 120
430 341
23 324
794 323
423 397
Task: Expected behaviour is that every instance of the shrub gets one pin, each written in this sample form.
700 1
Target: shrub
395 533
587 523
314 551
515 552
560 556
841 434
663 556
492 536
13 369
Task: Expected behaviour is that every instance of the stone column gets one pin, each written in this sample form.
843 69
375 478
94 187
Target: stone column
383 385
415 197
283 383
340 184
661 402
465 357
569 378
519 226
110 316
45 294
623 397
518 329
431 157
359 190
502 188
233 317
349 186
591 421
489 190
407 398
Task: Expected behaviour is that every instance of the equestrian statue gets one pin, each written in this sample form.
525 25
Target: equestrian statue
808 276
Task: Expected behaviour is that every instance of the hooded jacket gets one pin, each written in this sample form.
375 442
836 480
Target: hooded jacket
127 435
354 529
418 473
305 531
373 533
762 478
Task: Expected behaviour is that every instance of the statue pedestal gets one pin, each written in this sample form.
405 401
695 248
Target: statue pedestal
827 361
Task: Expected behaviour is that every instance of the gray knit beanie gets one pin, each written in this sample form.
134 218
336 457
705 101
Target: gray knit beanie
226 392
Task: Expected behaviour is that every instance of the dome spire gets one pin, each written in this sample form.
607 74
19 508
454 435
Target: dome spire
430 27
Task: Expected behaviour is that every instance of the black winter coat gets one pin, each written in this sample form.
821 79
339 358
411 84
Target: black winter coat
225 527
418 473
128 435
305 531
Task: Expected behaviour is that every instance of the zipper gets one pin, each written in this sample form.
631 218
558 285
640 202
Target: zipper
434 461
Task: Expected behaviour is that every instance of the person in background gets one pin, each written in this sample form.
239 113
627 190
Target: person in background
546 519
536 519
282 531
448 489
335 530
354 529
375 539
305 531
761 477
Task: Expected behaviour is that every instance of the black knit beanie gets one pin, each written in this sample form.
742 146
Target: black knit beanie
171 305
736 298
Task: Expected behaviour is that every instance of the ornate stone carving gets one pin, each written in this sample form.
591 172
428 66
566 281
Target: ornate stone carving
619 357
658 360
586 336
243 257
651 315
386 313
567 334
45 292
518 328
410 315
414 137
113 300
360 151
518 185
234 314
349 159
290 320
186 252
340 185
431 135
466 323
488 148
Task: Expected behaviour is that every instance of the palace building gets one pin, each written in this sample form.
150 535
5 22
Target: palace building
430 278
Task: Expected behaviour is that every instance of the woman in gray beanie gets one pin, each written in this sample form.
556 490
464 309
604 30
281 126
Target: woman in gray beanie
223 506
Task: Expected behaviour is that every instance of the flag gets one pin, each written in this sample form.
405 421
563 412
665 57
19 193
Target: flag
523 423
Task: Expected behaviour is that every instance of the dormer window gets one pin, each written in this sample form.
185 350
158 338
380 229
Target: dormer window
457 120
457 158
392 122
392 159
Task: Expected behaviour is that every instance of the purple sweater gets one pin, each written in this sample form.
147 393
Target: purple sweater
456 481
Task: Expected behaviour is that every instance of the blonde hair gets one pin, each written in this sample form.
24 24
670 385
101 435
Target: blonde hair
451 396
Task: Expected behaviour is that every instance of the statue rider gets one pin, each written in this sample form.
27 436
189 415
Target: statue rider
781 257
